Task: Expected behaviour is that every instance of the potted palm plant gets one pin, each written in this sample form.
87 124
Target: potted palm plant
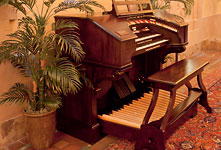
37 53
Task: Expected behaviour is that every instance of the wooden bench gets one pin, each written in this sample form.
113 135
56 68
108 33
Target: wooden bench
170 79
176 75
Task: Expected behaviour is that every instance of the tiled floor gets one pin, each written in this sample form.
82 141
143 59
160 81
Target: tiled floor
61 142
65 142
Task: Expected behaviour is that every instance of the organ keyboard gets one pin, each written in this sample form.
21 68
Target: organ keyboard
123 49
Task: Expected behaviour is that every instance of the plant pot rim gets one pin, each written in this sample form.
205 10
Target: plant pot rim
40 114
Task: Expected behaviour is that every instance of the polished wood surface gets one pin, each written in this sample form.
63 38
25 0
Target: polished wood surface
178 73
118 61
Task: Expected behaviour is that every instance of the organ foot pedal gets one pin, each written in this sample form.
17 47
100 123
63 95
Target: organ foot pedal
151 119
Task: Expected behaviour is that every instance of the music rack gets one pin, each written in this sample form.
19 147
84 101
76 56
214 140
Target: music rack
132 7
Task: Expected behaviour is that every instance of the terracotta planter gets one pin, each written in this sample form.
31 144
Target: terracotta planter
40 129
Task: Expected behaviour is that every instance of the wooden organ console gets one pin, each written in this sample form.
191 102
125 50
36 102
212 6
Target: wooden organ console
124 52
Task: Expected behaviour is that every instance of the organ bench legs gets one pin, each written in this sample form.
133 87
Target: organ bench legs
203 98
150 137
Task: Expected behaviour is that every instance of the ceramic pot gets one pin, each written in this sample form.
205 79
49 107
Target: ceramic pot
40 129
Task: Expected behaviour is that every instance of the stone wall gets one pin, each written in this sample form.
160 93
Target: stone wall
204 32
11 130
11 120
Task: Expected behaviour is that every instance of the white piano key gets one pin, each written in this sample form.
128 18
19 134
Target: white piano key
150 45
147 37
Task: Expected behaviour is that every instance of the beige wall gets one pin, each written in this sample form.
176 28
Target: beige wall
204 21
204 24
10 119
8 75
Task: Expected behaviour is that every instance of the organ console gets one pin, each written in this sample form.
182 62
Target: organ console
123 49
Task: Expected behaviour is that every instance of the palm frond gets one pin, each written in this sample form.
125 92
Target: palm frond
63 24
49 3
24 21
48 46
165 4
16 4
68 40
187 5
34 68
20 38
71 46
6 52
63 76
20 63
53 101
85 80
3 2
21 53
10 51
82 5
29 3
18 93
